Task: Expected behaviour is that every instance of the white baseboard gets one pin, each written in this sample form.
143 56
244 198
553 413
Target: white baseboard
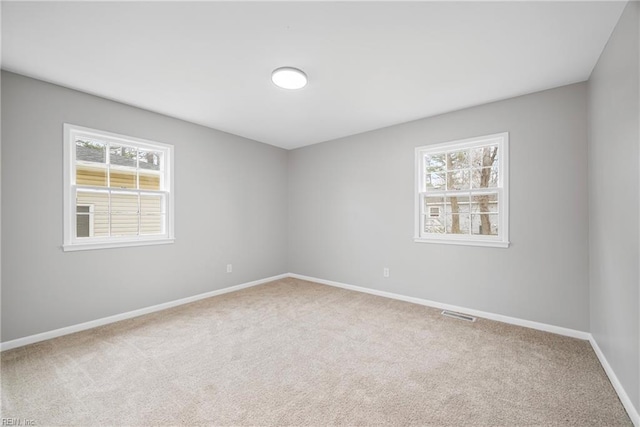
624 398
19 342
484 314
622 394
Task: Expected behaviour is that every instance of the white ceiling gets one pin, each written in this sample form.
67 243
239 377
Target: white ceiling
370 64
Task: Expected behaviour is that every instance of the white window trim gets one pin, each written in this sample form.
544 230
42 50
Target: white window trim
73 243
500 241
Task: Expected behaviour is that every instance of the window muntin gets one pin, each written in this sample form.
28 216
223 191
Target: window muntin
118 187
462 192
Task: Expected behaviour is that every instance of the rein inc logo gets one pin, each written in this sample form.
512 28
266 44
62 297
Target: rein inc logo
18 422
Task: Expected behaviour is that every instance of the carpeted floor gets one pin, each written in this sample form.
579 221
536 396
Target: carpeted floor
297 353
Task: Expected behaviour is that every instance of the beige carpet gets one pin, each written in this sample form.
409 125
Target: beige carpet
297 353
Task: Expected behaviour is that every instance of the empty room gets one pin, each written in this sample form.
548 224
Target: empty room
307 213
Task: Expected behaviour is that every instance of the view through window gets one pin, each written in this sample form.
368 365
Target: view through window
461 192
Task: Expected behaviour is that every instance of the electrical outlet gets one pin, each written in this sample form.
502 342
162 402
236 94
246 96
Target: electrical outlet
385 272
229 268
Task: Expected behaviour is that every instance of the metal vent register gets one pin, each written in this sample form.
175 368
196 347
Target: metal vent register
458 316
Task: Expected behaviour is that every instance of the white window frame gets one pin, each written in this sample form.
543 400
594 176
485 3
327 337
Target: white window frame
73 243
502 239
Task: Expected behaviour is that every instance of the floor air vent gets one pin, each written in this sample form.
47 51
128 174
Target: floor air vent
458 316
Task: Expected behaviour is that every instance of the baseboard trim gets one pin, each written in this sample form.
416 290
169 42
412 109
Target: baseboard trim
624 397
31 339
477 313
622 394
617 386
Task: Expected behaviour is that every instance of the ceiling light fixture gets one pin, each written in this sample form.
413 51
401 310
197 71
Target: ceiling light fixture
289 78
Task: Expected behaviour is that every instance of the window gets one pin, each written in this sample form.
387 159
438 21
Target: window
118 190
462 194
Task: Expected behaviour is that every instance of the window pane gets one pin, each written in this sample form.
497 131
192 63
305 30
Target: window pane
152 224
457 204
435 180
457 214
92 224
434 207
92 218
122 178
458 160
152 214
484 156
435 163
457 224
100 224
485 203
95 176
90 151
124 203
97 200
434 225
151 204
150 160
148 180
484 224
458 180
124 224
123 156
485 177
83 224
124 214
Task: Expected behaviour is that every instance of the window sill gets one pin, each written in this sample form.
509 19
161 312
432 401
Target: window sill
485 243
109 245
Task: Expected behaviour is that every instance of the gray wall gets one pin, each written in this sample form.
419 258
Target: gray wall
351 212
614 192
230 207
343 210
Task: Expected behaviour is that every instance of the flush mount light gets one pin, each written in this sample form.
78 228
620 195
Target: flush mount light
289 78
